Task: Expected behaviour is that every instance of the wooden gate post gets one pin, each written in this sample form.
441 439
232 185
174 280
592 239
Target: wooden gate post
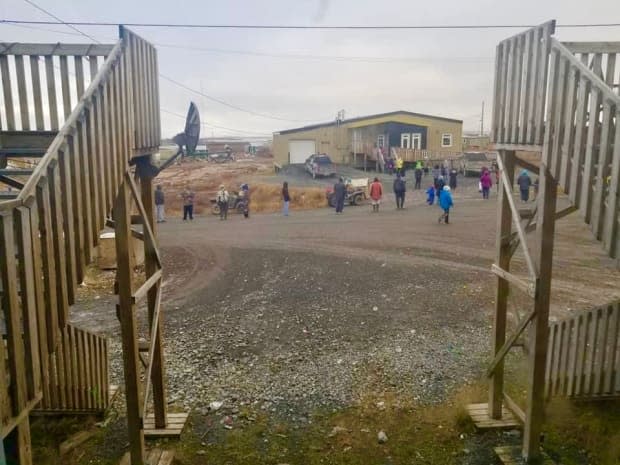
539 329
504 223
145 172
127 316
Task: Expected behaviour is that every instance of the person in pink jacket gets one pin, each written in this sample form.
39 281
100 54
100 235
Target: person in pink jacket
486 182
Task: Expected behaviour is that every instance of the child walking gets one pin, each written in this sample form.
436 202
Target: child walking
445 203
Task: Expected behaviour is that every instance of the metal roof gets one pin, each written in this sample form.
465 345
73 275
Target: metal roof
362 118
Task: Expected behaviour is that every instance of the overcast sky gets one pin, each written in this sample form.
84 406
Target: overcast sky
289 73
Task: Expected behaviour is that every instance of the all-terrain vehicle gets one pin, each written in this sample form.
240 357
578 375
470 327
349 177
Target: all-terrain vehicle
357 192
235 203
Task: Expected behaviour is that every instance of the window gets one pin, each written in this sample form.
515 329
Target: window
405 141
416 140
446 140
381 140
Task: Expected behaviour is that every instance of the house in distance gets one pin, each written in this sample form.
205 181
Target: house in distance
354 141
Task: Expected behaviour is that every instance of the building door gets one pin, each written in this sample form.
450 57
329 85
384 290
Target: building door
381 141
300 150
405 141
416 141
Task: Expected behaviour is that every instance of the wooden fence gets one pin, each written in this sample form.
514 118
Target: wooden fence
38 72
583 355
582 137
49 230
77 380
411 155
520 87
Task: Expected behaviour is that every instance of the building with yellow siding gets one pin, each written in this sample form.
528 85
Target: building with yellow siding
412 136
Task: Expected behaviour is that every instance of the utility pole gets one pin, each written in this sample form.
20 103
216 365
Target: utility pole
482 120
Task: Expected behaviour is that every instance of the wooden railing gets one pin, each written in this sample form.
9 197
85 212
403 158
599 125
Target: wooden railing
410 155
584 354
48 69
582 136
49 231
520 87
77 380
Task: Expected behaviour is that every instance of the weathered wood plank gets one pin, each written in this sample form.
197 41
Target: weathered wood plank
49 270
65 86
600 182
128 323
39 287
85 190
8 277
76 170
59 245
614 338
585 199
22 92
66 179
7 93
28 301
79 76
36 92
569 129
51 92
57 49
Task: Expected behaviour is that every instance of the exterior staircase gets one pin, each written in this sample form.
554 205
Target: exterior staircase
72 118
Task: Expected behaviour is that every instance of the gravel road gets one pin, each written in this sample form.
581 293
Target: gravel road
305 312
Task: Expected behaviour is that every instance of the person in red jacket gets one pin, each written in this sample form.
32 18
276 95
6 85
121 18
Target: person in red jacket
376 192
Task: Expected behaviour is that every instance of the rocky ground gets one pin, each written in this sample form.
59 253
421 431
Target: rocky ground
274 320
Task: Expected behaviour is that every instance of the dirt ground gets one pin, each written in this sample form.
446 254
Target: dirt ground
286 318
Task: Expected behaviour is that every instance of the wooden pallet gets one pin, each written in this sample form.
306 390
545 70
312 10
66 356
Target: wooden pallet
511 455
479 413
153 457
174 426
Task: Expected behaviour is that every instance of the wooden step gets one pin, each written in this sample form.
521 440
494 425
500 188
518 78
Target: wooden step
22 152
8 195
153 457
175 422
479 413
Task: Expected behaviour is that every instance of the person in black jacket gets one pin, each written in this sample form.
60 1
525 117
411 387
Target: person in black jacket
286 198
399 191
159 204
340 192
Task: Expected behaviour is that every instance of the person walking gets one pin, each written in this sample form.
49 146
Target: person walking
399 191
222 198
286 198
340 191
376 193
159 204
435 172
188 203
418 175
524 182
452 180
439 183
445 203
244 193
485 183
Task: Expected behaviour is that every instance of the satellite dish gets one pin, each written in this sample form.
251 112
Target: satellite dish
192 127
188 138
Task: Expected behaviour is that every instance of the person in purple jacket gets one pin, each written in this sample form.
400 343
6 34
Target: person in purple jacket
486 181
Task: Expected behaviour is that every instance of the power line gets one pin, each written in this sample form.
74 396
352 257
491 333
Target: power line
165 77
215 126
302 27
60 21
230 105
360 59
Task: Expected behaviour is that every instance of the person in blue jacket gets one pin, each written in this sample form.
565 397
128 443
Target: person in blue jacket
430 195
445 202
